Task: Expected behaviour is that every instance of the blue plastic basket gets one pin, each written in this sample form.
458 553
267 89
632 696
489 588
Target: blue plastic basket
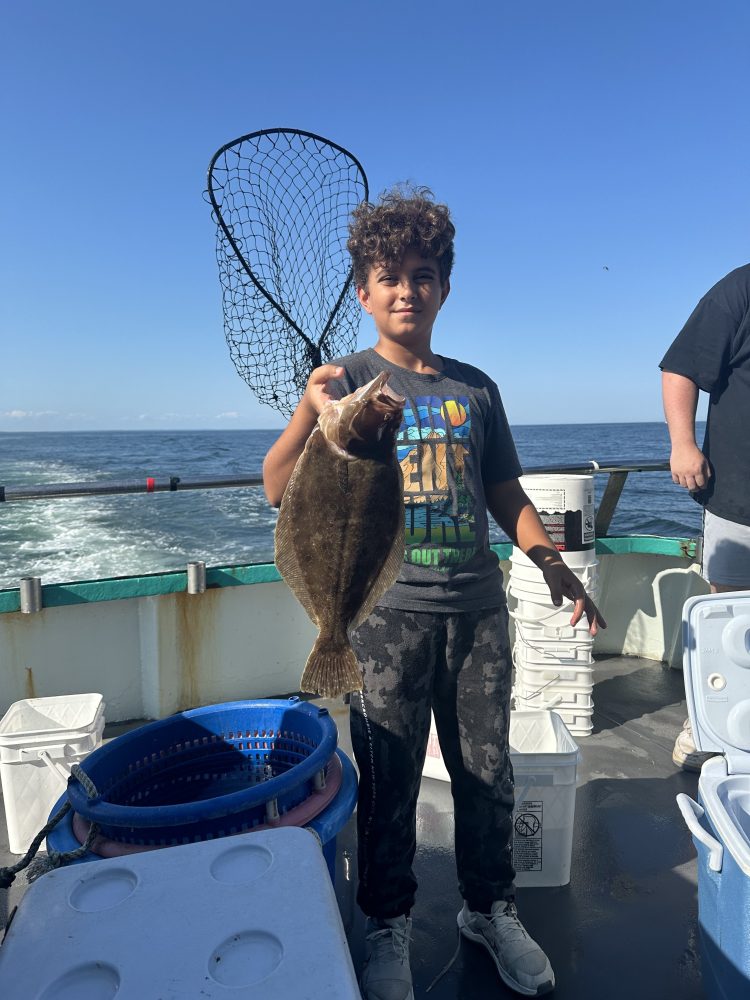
326 824
209 772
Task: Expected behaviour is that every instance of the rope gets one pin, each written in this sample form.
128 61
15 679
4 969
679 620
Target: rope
53 859
445 968
315 834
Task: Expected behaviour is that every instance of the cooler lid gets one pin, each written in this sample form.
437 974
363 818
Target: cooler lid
716 667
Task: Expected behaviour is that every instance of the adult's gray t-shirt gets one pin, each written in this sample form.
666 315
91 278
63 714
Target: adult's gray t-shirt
454 440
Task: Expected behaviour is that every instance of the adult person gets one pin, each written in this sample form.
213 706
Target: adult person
712 354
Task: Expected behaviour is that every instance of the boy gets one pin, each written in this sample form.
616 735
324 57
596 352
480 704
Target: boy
439 637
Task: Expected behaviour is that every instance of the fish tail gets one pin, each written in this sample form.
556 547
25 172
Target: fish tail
331 669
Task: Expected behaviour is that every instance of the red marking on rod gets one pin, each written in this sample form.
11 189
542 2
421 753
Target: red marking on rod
150 484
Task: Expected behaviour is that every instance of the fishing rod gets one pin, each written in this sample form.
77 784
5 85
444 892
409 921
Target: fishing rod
174 484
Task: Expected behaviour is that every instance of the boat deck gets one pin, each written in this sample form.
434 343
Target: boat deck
626 925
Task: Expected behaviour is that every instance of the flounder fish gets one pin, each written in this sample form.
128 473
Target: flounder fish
340 531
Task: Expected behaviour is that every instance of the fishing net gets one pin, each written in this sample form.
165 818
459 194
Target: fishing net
281 200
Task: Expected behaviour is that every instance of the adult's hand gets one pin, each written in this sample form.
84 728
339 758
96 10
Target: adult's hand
689 467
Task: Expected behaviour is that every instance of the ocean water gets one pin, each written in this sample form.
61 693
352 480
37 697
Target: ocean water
91 537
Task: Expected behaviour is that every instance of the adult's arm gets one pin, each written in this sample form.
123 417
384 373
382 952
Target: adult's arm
689 465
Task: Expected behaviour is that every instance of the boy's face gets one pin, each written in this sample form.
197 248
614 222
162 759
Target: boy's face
405 299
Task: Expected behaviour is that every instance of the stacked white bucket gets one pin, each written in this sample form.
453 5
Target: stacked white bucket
553 659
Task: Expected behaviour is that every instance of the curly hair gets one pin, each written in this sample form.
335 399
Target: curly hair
404 219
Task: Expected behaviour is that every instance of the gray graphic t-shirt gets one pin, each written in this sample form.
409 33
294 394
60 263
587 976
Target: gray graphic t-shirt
454 439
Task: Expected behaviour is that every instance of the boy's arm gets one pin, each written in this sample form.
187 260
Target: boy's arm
519 519
282 456
689 465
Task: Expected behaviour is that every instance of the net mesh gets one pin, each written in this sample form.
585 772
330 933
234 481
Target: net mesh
281 201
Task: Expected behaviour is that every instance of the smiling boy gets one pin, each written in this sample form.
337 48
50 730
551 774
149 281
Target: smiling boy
438 640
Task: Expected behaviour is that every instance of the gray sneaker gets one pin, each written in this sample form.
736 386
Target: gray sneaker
522 964
685 754
386 974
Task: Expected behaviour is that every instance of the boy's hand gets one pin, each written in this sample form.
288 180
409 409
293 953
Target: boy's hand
563 582
316 394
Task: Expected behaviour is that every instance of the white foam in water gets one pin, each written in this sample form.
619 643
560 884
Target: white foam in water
90 538
248 916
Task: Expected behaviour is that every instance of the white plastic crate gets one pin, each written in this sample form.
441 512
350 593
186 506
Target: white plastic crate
40 739
545 761
251 916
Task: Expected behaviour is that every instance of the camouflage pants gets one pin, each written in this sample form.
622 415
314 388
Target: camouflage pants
459 665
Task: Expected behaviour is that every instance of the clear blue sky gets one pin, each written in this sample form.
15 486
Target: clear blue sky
566 137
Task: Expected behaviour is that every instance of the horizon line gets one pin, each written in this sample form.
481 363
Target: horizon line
245 430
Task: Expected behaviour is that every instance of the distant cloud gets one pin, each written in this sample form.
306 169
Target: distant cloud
27 414
229 415
160 418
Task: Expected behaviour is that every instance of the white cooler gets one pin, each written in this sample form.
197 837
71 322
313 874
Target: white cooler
716 665
250 917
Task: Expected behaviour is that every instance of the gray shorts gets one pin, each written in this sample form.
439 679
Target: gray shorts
726 552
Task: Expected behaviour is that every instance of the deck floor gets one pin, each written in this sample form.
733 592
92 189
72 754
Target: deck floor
625 928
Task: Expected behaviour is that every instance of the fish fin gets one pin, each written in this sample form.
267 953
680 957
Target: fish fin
331 669
285 553
387 576
288 565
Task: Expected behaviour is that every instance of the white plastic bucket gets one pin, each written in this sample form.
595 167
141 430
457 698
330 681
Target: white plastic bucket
566 507
553 694
40 739
545 759
537 651
556 681
530 600
553 640
577 721
523 577
530 613
536 675
576 560
531 628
